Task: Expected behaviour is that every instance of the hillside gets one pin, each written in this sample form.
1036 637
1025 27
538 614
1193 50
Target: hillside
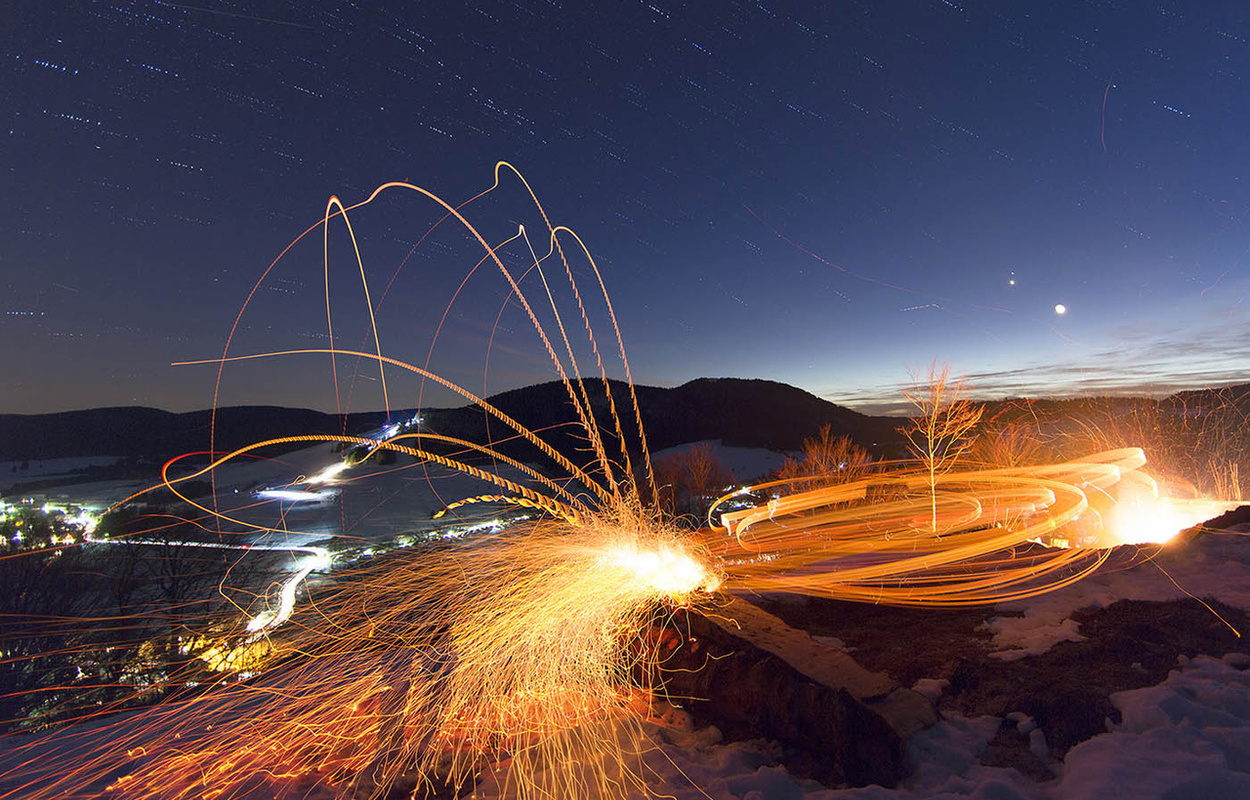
744 413
149 434
739 412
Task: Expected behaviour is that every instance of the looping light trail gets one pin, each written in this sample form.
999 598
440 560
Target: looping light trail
1002 534
520 651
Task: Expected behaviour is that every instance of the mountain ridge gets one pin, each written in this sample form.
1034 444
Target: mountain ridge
742 412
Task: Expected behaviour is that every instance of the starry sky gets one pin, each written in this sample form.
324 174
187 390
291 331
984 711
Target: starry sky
830 194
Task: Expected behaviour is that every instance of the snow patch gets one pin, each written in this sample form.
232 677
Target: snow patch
833 643
931 688
1032 634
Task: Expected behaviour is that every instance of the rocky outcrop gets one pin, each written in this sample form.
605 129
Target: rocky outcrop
751 675
1128 645
1064 692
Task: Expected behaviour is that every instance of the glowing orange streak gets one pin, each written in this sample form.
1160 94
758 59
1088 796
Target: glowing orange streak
592 430
325 254
596 438
260 281
548 504
512 462
584 408
490 341
527 434
814 543
488 498
582 413
454 295
447 310
629 378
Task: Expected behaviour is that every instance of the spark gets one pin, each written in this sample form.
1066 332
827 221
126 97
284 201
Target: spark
518 652
297 495
329 474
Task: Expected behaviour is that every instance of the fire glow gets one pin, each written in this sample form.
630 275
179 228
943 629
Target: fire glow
1158 520
519 652
665 569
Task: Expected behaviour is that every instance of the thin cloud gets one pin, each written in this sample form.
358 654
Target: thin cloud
1131 360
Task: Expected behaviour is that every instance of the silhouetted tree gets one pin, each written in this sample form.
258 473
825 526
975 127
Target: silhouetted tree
826 460
689 480
942 432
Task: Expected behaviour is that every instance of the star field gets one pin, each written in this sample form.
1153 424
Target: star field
827 194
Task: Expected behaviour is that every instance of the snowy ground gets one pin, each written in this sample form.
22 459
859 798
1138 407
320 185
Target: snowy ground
748 464
372 503
1188 737
15 471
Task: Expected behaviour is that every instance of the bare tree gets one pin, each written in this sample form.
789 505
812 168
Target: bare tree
942 432
1009 439
690 479
43 592
827 460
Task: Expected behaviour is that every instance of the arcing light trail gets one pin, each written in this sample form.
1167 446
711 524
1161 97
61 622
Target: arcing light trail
519 653
318 559
1002 534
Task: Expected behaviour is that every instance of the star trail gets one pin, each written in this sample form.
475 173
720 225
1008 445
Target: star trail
832 195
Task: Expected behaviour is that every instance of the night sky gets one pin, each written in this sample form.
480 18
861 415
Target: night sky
829 194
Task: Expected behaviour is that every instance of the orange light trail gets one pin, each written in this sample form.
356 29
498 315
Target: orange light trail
523 648
1001 534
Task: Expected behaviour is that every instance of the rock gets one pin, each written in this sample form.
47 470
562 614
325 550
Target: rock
1236 516
747 691
832 667
1129 644
1067 690
1237 660
906 710
1011 748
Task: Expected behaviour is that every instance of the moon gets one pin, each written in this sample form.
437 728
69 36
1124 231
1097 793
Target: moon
1061 309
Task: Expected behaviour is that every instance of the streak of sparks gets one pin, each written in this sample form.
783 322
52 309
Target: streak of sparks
519 651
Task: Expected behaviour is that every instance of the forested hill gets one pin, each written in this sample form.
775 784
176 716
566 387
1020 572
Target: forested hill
744 413
152 434
739 412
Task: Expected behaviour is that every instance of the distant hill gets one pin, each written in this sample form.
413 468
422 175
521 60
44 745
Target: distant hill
149 434
1196 400
1238 396
744 413
741 413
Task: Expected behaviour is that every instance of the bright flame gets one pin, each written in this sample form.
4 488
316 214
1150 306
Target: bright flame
1156 520
664 569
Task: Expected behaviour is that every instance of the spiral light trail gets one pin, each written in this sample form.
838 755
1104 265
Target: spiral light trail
520 652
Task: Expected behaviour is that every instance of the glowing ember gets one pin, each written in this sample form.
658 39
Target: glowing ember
1157 520
664 569
518 652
